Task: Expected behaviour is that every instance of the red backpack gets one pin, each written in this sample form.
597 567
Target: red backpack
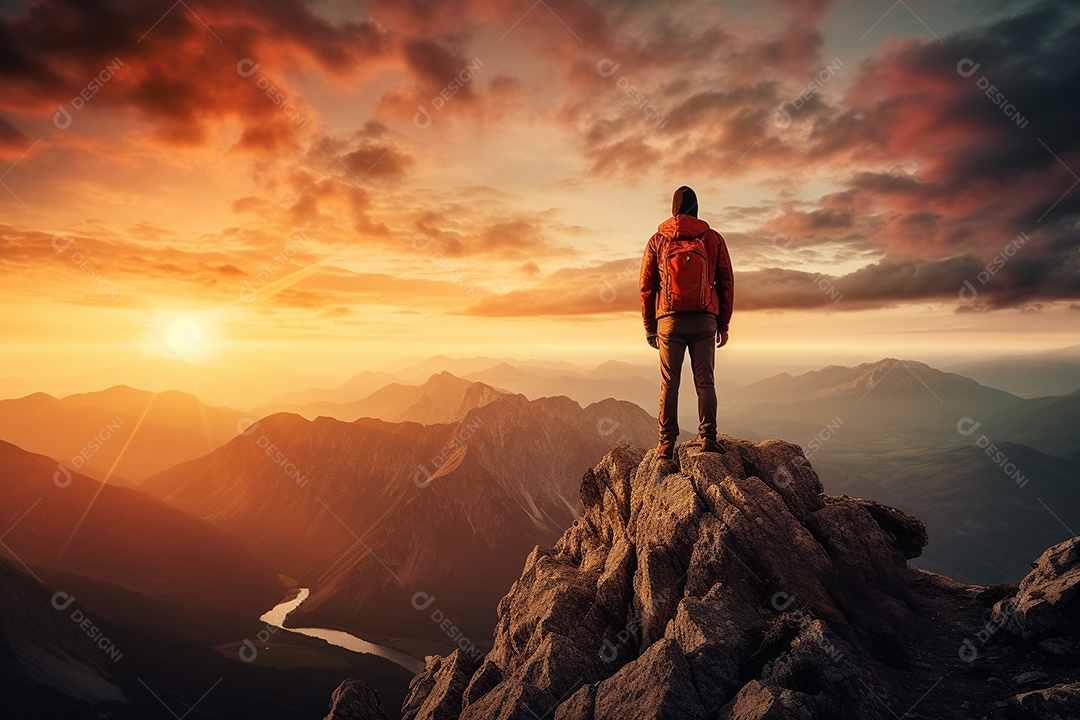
685 274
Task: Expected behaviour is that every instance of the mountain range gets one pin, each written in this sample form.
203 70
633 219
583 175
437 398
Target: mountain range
369 513
442 398
118 434
407 503
1054 372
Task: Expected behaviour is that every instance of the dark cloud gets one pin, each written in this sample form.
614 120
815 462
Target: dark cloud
436 64
965 282
11 138
179 69
931 165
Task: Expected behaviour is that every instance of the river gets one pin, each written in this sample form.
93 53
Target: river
276 617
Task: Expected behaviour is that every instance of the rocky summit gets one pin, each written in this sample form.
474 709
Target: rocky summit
730 586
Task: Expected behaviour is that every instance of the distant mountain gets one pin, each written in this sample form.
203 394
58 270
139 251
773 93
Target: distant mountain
121 433
212 384
442 398
370 513
358 386
889 377
613 379
1056 372
170 407
899 397
888 396
620 369
463 367
55 519
1049 424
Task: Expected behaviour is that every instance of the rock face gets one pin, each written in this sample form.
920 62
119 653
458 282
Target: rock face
355 700
733 588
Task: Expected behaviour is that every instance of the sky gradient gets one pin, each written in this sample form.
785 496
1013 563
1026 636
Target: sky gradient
305 190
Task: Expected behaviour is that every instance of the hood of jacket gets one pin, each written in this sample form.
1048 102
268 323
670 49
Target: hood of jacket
683 226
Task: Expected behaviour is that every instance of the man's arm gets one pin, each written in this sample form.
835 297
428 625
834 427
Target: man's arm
649 286
725 286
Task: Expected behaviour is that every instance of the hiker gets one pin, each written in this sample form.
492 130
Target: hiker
687 291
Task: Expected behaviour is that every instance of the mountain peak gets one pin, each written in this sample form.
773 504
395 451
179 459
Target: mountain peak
735 588
444 376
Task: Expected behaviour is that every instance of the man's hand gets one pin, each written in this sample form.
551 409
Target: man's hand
721 338
651 339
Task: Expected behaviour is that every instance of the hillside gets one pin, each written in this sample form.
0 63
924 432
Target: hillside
56 520
368 513
121 433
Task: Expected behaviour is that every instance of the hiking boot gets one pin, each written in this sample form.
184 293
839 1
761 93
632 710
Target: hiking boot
665 452
711 444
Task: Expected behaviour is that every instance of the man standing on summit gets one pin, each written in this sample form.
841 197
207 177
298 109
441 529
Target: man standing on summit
687 292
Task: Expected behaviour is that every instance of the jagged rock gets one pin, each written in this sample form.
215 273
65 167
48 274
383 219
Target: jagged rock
485 679
657 685
512 701
1048 602
355 700
733 588
759 702
907 532
579 706
1061 702
436 693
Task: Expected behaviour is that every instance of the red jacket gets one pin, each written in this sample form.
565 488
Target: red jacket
652 300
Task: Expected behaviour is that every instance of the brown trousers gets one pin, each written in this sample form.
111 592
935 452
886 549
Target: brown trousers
675 334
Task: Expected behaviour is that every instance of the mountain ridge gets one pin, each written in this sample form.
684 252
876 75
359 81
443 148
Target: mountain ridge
447 509
120 432
441 398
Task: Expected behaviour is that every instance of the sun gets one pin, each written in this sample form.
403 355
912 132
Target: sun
189 335
182 336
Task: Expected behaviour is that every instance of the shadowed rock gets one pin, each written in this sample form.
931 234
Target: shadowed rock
355 700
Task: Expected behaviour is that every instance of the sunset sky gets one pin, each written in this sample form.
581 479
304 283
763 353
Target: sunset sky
305 190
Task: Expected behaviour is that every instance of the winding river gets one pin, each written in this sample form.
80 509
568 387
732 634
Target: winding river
276 618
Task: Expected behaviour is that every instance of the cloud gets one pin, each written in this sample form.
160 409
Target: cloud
964 282
245 270
184 71
899 162
13 142
487 236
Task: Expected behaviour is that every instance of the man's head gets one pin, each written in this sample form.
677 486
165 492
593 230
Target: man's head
684 202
